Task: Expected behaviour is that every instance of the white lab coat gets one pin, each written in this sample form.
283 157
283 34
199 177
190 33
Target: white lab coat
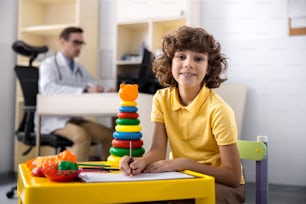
55 77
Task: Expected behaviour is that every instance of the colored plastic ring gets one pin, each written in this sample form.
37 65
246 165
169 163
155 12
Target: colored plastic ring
127 135
126 143
120 152
128 103
127 121
128 128
127 115
113 161
129 109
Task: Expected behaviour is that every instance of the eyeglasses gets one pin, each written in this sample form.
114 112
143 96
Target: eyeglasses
77 42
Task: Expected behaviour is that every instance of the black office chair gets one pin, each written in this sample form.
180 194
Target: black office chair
28 79
147 81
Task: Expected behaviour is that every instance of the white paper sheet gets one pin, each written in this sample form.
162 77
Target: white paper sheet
115 177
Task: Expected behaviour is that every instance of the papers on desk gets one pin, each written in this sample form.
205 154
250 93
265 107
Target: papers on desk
90 177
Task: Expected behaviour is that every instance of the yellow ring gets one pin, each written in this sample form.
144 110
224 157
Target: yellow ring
128 128
128 103
113 161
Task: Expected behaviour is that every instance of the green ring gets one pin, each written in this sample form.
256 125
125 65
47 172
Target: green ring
120 152
127 121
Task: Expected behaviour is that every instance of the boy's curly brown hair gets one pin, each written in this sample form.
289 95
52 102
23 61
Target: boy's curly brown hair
197 40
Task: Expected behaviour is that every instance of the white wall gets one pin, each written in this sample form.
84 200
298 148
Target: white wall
272 64
8 22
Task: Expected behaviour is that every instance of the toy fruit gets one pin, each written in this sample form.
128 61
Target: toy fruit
66 156
36 171
31 164
64 175
61 167
67 165
49 167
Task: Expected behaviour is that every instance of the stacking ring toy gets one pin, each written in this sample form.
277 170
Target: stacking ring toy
113 161
130 109
127 135
128 103
128 128
120 152
127 121
127 115
126 143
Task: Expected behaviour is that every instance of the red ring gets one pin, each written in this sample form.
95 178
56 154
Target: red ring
127 115
126 143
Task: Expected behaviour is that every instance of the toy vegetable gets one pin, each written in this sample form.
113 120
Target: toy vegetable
60 167
67 165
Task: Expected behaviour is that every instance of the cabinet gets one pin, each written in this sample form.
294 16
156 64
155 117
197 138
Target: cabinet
144 25
39 23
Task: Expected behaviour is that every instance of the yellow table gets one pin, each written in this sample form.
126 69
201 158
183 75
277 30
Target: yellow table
36 190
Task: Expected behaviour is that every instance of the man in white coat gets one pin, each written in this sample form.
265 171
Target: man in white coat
61 74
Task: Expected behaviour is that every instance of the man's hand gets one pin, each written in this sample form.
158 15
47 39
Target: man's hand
94 89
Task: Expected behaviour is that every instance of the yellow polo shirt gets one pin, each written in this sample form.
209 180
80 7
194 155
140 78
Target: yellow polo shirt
196 130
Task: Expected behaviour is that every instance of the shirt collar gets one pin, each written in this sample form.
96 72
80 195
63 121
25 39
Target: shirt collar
67 61
195 104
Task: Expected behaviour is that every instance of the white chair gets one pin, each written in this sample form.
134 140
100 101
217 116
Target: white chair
235 95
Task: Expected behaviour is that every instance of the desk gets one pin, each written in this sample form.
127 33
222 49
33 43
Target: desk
37 190
93 104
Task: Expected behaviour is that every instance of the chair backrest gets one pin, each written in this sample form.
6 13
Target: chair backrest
28 79
257 151
235 96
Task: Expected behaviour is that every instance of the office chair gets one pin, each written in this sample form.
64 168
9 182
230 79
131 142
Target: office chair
257 151
28 79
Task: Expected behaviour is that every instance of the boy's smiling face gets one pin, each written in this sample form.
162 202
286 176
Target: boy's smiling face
189 68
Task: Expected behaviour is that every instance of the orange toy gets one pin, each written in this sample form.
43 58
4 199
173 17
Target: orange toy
128 92
60 167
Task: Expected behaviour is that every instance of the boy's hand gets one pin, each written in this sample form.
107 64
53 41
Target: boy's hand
125 166
129 168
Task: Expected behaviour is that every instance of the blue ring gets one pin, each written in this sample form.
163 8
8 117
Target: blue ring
129 109
127 135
